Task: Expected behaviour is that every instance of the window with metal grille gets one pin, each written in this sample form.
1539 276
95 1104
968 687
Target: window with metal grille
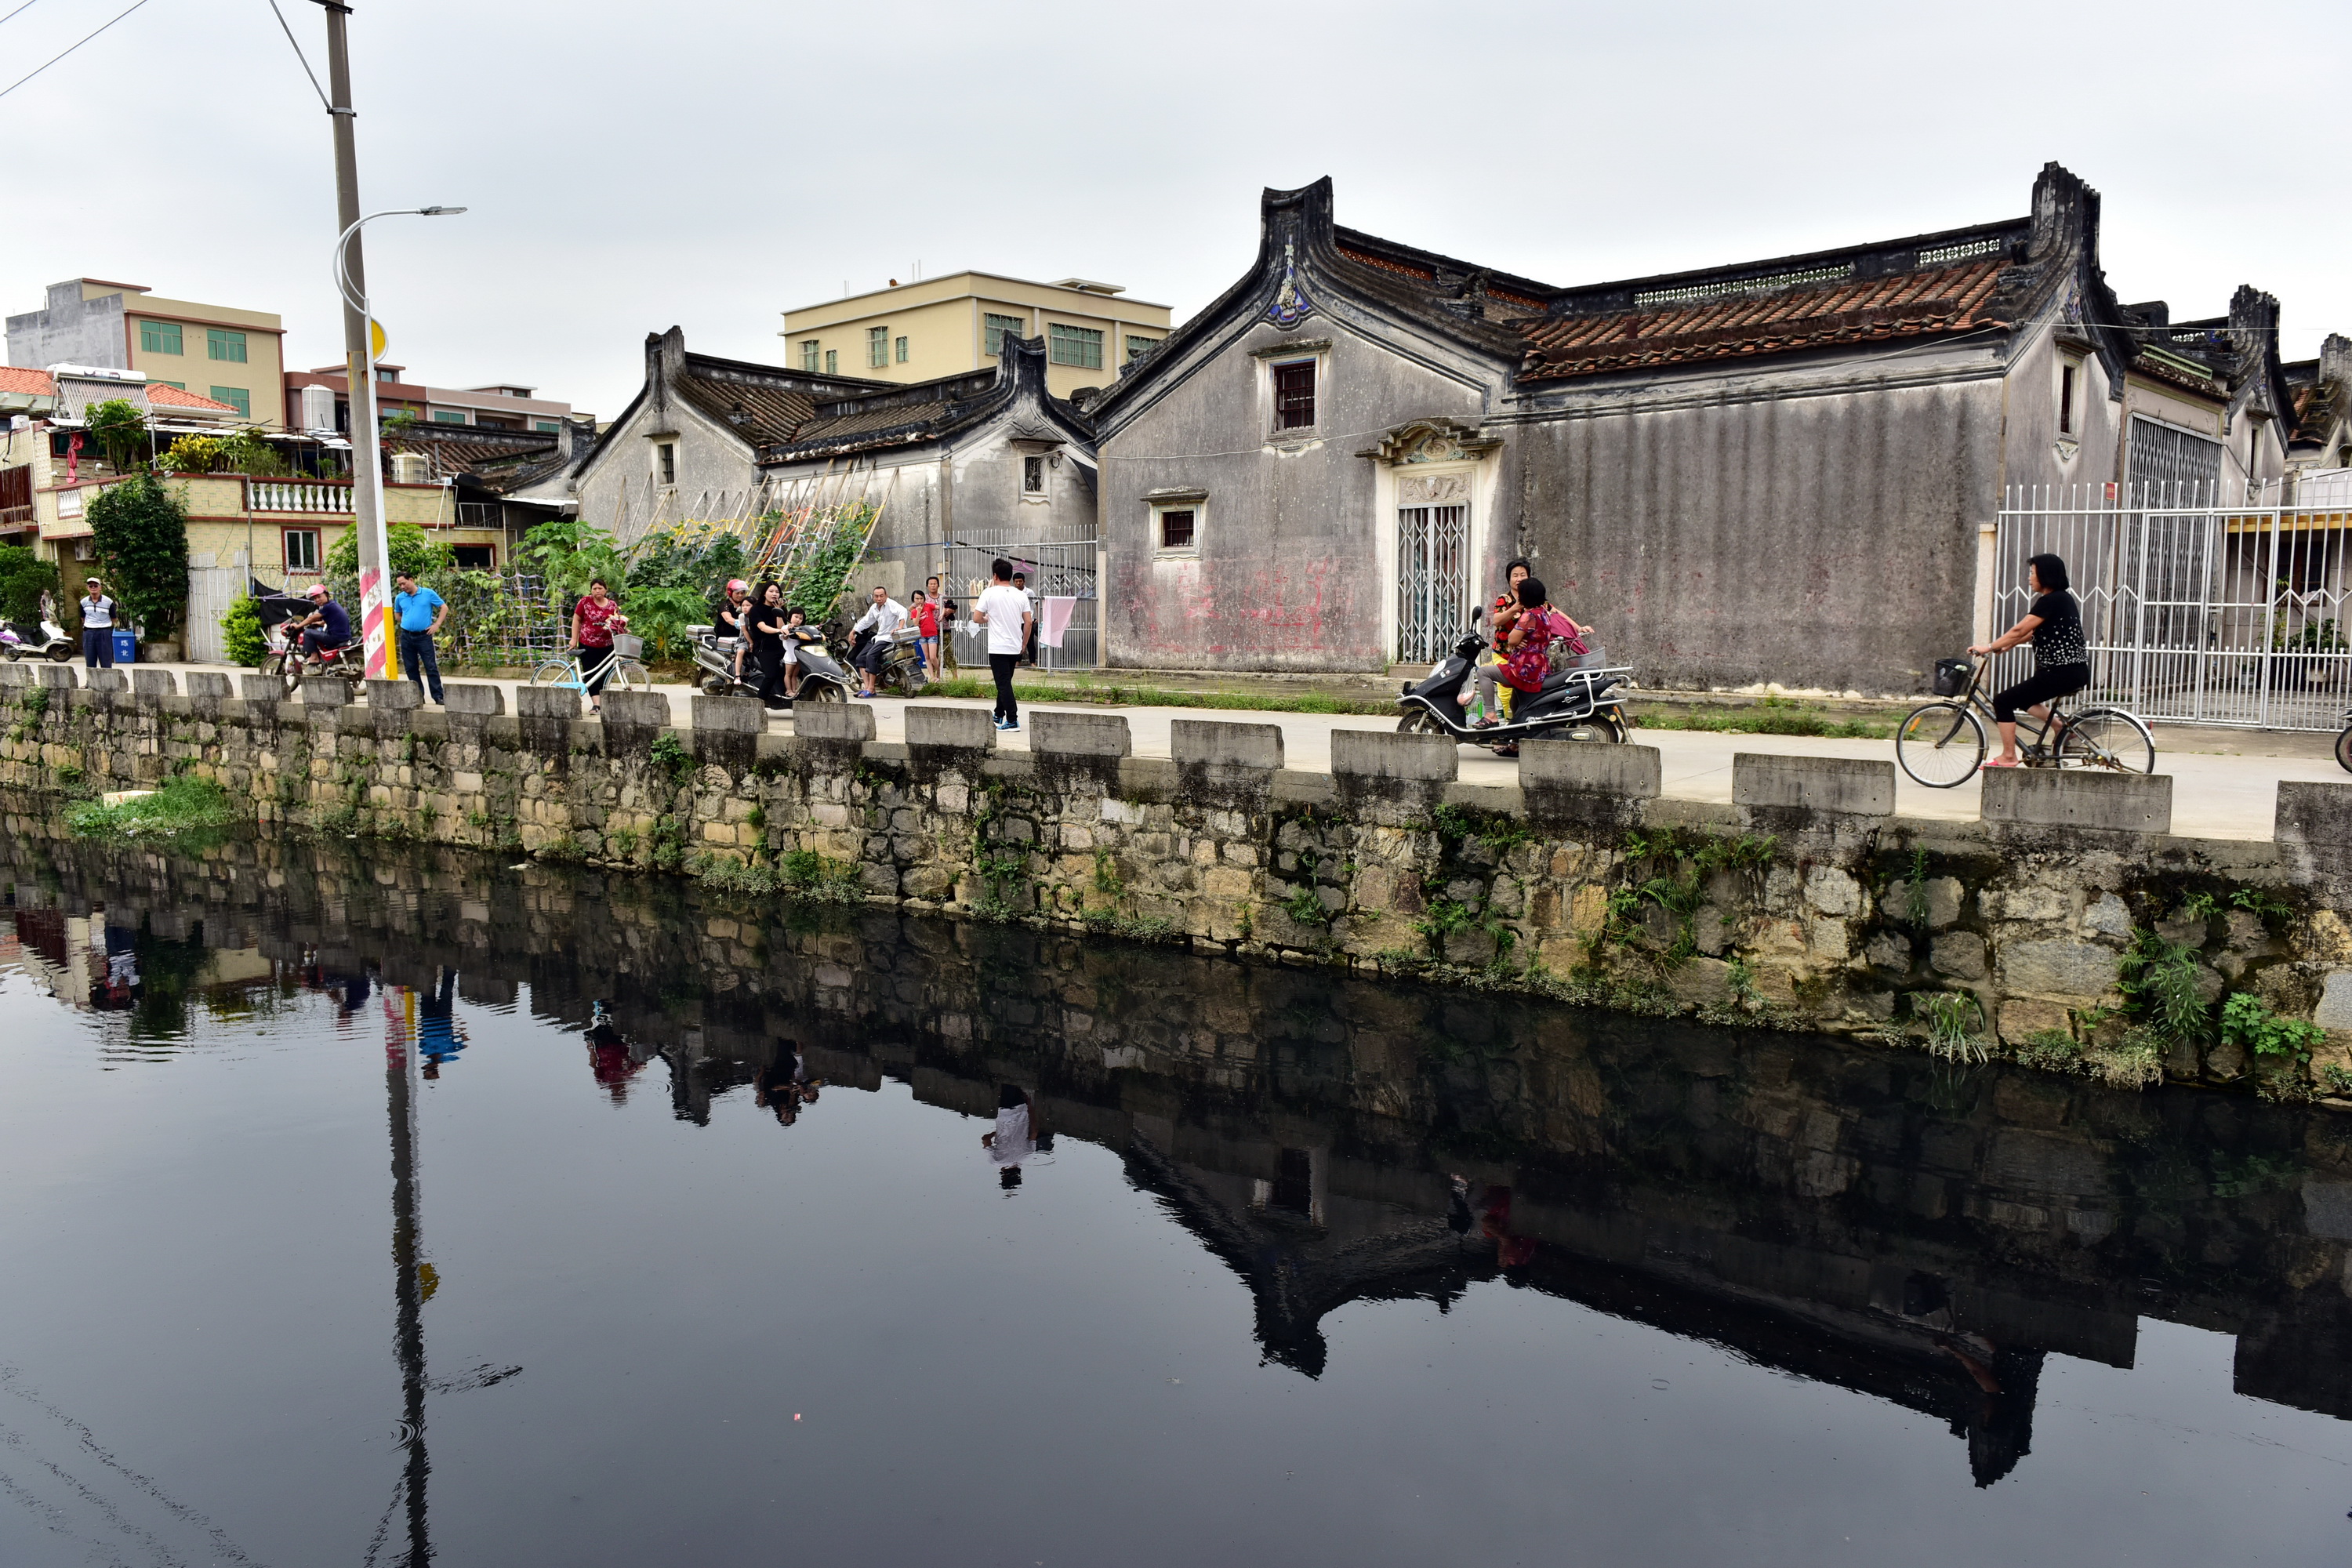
666 453
1081 346
902 351
301 549
997 329
809 354
237 397
2169 466
1294 396
1138 347
878 347
1176 530
221 343
160 338
1032 476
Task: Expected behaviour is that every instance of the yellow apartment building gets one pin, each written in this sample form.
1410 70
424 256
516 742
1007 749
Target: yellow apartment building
947 326
230 355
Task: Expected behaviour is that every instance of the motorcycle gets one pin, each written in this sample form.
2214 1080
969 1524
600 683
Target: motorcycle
18 640
1575 704
902 669
822 680
290 664
2344 744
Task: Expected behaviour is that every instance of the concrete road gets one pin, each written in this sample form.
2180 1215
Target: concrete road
2223 779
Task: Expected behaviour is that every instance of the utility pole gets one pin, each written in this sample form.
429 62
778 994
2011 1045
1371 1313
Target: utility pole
367 452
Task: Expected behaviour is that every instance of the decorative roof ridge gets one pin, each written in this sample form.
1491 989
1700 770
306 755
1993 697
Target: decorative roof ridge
1935 251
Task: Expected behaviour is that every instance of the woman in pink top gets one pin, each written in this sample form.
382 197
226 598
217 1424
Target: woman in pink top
593 621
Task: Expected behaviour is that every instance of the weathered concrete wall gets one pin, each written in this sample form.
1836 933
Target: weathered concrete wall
1805 904
1290 571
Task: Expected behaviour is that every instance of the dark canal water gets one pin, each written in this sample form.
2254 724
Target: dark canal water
372 1211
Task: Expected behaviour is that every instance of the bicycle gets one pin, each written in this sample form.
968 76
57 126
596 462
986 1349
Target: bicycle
622 670
1942 744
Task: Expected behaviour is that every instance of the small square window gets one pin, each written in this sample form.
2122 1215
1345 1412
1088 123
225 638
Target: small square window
809 354
902 351
222 344
665 456
237 397
1294 396
1032 476
997 328
1176 530
301 549
878 347
160 338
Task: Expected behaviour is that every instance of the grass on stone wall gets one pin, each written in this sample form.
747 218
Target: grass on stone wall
185 806
1771 716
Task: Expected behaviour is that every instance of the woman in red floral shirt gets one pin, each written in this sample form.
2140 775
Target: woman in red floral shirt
593 621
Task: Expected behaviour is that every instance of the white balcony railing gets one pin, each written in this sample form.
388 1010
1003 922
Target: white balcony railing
296 495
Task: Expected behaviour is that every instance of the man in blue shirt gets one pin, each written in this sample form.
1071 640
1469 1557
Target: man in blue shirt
421 612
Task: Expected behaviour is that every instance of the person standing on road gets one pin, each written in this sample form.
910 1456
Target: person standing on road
594 619
768 649
1004 610
97 626
1029 644
421 612
926 611
943 652
2061 666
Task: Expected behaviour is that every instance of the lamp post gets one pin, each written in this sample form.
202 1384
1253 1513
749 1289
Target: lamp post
367 490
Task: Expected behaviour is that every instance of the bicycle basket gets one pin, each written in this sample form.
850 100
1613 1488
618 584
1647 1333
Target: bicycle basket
628 645
1951 677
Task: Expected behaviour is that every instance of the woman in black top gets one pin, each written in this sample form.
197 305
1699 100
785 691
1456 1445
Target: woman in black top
765 621
2061 666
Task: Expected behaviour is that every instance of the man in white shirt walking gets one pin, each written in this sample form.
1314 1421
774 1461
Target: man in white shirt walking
883 618
1004 609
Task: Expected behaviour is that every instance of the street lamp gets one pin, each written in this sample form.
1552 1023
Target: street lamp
375 551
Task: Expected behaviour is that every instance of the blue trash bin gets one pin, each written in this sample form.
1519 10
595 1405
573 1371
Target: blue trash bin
126 646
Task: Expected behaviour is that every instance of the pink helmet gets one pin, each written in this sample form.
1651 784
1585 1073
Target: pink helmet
737 586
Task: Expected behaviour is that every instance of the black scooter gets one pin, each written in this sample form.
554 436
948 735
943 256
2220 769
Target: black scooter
1573 705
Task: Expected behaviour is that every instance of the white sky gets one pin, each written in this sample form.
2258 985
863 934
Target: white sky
707 163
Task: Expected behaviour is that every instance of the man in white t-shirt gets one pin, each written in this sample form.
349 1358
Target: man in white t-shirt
1004 609
884 618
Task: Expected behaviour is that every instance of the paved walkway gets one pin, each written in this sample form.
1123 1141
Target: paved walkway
2223 779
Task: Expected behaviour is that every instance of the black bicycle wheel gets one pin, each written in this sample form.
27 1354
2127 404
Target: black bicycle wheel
2107 738
2344 751
1940 745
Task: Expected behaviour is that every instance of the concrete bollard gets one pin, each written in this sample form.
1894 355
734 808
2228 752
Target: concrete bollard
1854 786
395 696
210 683
262 688
1211 744
949 728
845 721
739 716
1403 759
2079 798
326 692
476 698
14 674
546 703
1572 783
149 682
64 674
1080 734
109 680
638 709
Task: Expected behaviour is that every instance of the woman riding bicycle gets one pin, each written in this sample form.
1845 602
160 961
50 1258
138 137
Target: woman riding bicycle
2061 666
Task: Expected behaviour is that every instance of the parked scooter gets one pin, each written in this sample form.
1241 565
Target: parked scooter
289 663
46 640
822 680
1572 704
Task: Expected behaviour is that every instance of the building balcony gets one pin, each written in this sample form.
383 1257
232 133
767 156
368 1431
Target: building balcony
313 496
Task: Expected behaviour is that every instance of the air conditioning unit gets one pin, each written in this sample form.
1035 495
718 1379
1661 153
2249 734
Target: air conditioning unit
411 469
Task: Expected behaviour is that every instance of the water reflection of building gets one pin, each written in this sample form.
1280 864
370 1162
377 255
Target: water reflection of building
1869 1220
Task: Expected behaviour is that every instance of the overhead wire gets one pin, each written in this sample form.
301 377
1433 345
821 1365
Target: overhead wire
20 10
324 101
53 59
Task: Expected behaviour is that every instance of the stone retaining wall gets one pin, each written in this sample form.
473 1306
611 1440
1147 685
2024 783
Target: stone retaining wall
1805 903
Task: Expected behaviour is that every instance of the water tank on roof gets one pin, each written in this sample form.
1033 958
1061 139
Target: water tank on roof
318 408
411 469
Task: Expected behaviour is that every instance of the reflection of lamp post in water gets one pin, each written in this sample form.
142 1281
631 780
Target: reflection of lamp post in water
410 1284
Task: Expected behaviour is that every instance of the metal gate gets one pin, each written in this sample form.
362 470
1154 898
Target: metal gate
1056 569
212 589
2192 611
1432 580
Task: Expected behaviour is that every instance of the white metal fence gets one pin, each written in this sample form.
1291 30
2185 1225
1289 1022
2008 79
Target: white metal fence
2193 611
1063 569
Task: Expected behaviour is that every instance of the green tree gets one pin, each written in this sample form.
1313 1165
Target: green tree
242 638
24 578
141 530
408 550
249 452
569 552
119 430
193 455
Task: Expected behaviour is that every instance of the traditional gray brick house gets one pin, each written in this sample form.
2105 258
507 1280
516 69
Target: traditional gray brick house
1777 471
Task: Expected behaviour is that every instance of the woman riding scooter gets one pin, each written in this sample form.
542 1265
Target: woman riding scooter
1526 654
